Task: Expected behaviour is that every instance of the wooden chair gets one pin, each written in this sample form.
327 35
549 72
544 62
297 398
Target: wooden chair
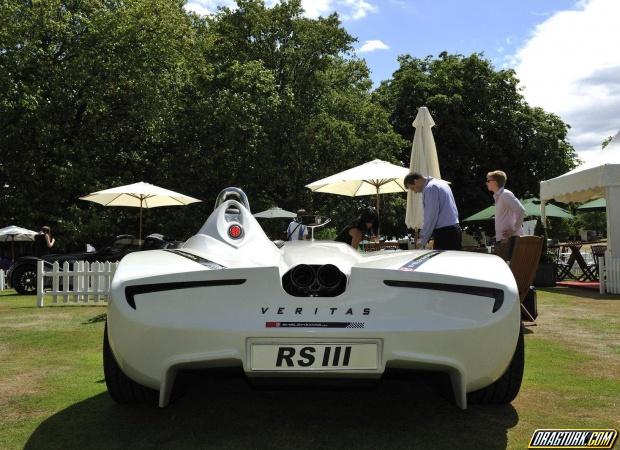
562 268
598 252
588 271
504 249
524 263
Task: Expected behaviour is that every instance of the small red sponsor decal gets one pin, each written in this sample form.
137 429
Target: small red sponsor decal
234 231
272 324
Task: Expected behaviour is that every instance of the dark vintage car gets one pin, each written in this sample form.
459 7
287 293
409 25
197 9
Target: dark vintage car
22 275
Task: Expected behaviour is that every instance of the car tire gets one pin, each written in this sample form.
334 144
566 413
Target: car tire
24 280
506 388
121 388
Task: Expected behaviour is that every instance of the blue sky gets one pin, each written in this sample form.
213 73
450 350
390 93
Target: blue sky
423 27
565 52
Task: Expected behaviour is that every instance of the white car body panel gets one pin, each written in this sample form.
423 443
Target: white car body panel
171 310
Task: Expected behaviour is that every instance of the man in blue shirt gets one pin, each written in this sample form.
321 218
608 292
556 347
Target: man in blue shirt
441 218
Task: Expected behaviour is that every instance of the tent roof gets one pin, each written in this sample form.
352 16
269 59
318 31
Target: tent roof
588 181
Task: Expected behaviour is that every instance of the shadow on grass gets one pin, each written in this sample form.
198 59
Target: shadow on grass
96 319
227 413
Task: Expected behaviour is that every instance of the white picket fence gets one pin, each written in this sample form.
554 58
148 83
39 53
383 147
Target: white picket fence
77 283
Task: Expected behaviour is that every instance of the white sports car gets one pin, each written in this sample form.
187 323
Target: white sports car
230 297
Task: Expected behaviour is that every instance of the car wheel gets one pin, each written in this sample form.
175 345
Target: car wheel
24 280
506 388
122 389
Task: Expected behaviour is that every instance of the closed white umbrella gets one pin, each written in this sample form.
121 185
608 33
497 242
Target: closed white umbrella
275 213
13 233
372 178
139 195
424 161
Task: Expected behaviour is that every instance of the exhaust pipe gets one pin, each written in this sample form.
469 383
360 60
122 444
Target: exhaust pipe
302 277
329 277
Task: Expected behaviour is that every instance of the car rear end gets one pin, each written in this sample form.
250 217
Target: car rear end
410 310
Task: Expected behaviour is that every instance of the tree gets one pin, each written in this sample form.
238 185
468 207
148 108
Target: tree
97 93
89 97
483 124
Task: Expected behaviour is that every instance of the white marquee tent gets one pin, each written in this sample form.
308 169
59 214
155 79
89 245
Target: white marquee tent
597 178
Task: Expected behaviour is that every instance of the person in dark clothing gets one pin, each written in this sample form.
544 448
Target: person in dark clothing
365 225
43 242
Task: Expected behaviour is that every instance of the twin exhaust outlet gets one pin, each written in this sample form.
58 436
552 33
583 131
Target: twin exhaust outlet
314 281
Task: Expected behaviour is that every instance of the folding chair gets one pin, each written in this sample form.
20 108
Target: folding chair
588 271
524 263
598 252
562 268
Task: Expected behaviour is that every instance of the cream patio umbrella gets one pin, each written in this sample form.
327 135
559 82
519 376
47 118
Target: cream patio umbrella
275 213
423 160
13 234
372 178
139 195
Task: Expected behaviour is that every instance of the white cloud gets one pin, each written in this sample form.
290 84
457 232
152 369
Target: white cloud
208 7
316 8
347 9
355 9
197 8
571 66
372 45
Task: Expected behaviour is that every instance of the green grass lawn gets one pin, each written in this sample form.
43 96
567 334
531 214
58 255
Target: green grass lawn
52 393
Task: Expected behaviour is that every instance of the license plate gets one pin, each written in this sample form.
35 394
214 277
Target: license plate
314 357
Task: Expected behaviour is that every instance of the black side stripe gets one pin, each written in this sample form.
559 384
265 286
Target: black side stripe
131 291
494 293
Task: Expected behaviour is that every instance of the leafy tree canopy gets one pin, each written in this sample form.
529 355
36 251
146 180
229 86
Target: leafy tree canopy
483 124
99 93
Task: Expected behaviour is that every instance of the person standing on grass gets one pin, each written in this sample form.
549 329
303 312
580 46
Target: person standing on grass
509 214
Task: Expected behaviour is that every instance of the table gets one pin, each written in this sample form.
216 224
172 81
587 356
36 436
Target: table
375 246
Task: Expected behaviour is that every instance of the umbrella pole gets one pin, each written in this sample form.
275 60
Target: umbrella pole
378 216
140 229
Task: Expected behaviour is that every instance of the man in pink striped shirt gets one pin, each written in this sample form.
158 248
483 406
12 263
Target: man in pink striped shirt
509 212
